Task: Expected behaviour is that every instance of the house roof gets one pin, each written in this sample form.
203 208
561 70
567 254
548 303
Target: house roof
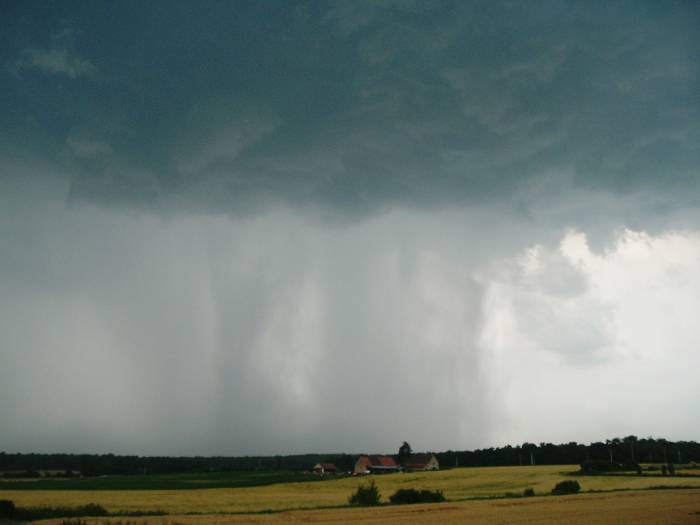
328 466
382 461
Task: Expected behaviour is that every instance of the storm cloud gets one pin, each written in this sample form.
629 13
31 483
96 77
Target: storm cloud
250 228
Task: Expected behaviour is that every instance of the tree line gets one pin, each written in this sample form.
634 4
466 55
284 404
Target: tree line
630 449
616 450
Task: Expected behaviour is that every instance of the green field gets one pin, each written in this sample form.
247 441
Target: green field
207 480
245 493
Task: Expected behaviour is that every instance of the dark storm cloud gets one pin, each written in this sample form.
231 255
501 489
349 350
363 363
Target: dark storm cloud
354 106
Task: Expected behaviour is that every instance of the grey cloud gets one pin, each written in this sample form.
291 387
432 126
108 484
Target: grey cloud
196 328
57 61
279 333
86 148
272 233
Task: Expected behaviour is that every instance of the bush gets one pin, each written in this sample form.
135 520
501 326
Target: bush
78 521
403 496
631 466
528 493
365 495
566 487
139 513
45 513
7 508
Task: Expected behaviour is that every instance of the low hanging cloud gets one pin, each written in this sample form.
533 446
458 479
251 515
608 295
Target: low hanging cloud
229 335
280 334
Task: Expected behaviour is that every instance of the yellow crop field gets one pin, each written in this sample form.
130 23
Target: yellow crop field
677 507
457 485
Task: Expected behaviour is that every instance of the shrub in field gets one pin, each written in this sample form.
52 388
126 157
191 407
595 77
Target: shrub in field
402 496
7 508
528 492
631 465
569 486
137 513
365 495
45 513
78 521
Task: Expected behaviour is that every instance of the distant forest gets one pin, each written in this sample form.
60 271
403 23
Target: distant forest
629 449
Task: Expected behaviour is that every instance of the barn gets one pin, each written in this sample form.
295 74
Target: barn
418 462
325 468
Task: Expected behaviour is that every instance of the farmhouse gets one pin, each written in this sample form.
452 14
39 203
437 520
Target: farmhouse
418 462
325 468
375 465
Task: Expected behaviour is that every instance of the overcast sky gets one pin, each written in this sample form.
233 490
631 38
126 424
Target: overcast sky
281 227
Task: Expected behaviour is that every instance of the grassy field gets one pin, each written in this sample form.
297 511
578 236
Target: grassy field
207 480
665 507
457 484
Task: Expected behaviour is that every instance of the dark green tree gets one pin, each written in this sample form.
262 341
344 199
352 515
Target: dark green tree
404 452
631 440
366 495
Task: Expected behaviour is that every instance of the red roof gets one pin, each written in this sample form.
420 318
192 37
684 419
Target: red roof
378 461
383 461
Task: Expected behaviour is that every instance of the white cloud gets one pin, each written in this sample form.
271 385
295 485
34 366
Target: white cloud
583 344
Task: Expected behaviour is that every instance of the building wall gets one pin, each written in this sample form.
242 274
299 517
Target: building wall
361 465
432 464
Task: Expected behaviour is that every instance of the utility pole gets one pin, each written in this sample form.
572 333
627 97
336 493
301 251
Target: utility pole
532 458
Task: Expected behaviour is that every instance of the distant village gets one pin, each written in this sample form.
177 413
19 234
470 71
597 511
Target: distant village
373 464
